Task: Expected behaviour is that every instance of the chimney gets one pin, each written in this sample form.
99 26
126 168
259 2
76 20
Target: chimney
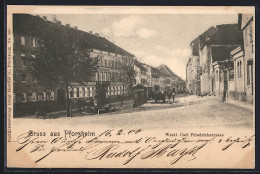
97 34
75 27
67 25
45 18
90 32
59 22
54 18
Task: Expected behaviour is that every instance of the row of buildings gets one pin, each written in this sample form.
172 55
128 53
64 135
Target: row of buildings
222 61
161 78
27 88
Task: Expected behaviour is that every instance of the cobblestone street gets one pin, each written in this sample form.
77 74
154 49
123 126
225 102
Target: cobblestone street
190 111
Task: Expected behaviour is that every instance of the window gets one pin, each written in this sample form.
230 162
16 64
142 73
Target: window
71 93
23 61
112 64
105 76
39 96
238 73
77 92
24 77
33 42
246 36
248 74
105 63
24 97
109 63
101 62
34 96
88 92
83 92
44 96
250 33
52 95
91 91
239 69
109 90
101 76
33 77
22 40
116 64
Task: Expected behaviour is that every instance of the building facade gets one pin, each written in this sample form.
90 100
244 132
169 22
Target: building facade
169 80
112 64
215 48
141 73
193 69
244 56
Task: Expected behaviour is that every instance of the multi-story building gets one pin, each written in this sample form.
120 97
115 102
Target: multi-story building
215 48
244 56
224 78
194 67
27 88
169 80
149 77
141 73
155 82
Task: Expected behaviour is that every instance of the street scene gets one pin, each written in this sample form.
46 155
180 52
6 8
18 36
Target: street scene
92 80
183 113
130 87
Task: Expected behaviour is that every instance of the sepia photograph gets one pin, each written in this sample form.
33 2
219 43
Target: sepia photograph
130 87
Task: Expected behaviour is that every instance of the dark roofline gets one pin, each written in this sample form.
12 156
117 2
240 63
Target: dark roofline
112 47
139 65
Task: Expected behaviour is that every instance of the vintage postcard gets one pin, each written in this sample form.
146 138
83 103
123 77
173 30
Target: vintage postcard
130 87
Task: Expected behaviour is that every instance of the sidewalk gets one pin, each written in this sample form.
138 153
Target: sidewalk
126 105
240 104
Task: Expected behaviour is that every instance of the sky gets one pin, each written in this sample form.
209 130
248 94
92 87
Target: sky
153 38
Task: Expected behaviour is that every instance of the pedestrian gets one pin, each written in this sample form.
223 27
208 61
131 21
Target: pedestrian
173 94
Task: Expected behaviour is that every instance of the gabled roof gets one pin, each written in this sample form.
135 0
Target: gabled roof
206 35
155 72
227 34
220 53
166 71
195 47
35 26
139 65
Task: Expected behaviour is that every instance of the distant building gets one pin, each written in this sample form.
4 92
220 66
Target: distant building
193 68
169 80
195 62
149 77
155 82
141 73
